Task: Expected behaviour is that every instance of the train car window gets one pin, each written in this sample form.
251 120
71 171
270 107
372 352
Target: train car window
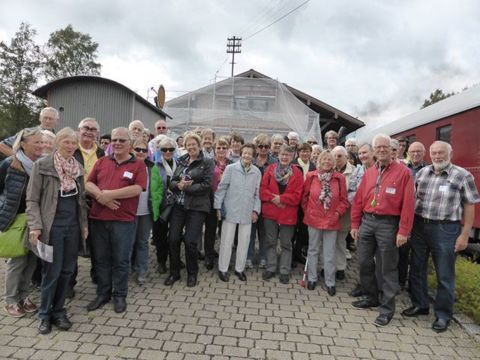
411 139
444 133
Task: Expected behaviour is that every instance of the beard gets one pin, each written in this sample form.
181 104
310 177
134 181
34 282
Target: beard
440 165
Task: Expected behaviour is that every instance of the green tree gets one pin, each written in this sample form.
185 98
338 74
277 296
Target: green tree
436 96
69 53
19 69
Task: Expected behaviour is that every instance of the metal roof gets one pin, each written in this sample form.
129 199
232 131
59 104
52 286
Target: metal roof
42 91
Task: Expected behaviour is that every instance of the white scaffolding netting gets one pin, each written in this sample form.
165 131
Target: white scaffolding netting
246 105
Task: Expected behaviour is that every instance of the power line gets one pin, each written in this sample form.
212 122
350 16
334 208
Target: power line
280 18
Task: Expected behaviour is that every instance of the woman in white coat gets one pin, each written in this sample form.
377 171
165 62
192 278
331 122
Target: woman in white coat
238 196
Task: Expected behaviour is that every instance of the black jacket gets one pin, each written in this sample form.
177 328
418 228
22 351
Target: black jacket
197 196
78 155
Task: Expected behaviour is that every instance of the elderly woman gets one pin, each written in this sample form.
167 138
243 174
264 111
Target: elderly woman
331 139
167 165
15 172
192 183
48 142
276 144
238 194
316 150
262 160
324 202
57 216
281 193
147 212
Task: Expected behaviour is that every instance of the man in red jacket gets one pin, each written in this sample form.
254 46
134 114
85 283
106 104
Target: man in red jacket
382 218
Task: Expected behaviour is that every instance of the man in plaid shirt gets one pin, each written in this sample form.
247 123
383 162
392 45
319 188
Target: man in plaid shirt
445 195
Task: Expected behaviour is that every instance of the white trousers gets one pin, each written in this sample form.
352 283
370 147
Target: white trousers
228 235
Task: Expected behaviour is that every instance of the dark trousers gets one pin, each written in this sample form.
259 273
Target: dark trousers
160 239
300 239
403 263
210 235
89 249
112 247
439 240
56 275
193 221
377 237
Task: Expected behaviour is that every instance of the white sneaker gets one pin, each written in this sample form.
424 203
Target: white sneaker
249 264
348 255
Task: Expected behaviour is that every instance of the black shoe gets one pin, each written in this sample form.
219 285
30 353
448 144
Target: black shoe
340 275
209 264
331 290
223 276
357 291
322 273
119 304
267 275
45 327
382 320
69 293
413 311
162 269
311 285
440 325
192 280
62 323
284 279
215 254
171 279
365 303
241 276
97 303
201 256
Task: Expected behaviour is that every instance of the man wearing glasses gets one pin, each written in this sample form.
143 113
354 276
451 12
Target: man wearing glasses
115 184
161 127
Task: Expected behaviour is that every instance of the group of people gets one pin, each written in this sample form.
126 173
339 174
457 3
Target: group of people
105 196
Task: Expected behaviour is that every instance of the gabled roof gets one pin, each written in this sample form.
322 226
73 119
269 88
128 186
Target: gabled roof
42 91
329 115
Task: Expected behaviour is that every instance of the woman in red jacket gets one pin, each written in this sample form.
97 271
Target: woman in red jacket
280 193
324 202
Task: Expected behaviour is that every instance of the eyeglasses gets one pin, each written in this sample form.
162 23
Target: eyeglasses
91 129
168 150
121 141
143 150
263 146
161 127
221 148
312 142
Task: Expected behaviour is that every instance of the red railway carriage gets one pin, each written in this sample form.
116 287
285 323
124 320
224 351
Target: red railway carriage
455 120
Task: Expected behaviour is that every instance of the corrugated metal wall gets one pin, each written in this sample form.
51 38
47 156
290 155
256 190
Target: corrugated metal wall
111 105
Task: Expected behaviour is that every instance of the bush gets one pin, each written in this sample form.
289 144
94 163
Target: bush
467 289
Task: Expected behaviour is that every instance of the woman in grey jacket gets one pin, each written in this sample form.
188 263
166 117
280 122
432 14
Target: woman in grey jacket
238 193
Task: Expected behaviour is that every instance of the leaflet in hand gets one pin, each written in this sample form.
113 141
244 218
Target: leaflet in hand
45 252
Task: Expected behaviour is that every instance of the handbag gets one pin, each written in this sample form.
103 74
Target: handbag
12 240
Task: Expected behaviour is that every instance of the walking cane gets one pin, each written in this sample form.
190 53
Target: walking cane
304 277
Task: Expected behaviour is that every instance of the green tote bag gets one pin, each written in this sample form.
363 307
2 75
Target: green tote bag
11 240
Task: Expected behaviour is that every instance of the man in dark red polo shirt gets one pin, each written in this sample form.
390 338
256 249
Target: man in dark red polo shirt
382 218
115 183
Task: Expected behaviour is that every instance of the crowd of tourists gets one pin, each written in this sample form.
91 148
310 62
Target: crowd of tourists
274 203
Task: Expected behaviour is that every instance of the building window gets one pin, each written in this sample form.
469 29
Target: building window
411 138
444 133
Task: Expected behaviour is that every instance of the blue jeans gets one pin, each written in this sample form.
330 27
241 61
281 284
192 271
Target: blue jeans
259 227
439 240
143 226
112 247
56 275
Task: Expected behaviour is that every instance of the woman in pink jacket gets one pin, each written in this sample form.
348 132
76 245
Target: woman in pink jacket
324 202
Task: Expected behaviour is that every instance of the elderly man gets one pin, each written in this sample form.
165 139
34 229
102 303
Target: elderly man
161 127
276 144
48 120
351 145
445 195
331 139
136 129
416 154
382 218
294 141
115 183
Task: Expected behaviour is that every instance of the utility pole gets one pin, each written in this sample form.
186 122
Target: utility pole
233 47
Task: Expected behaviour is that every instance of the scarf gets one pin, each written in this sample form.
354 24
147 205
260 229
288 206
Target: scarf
305 166
282 176
169 170
246 168
68 171
27 163
326 193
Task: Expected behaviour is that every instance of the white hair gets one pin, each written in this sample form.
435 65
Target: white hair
136 122
89 119
381 136
317 147
340 149
51 109
293 135
394 144
352 141
449 147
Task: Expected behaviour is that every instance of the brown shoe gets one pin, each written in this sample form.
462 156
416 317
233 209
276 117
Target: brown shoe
14 310
29 306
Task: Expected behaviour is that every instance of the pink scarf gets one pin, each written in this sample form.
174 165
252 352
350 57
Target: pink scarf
68 171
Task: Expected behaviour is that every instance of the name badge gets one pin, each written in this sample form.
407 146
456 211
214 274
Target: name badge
443 188
128 175
390 190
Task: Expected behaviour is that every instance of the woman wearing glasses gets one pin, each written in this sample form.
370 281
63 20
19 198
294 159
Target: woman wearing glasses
167 165
57 216
15 172
147 211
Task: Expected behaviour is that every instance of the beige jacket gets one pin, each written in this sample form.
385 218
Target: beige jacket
345 219
42 197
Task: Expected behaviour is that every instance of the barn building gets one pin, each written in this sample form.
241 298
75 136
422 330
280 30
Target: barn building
108 101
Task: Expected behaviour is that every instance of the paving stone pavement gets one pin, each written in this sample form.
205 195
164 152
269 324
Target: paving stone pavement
235 320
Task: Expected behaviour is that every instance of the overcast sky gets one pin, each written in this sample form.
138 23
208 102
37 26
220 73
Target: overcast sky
376 60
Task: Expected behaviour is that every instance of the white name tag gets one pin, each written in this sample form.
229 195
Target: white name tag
390 190
127 174
443 188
